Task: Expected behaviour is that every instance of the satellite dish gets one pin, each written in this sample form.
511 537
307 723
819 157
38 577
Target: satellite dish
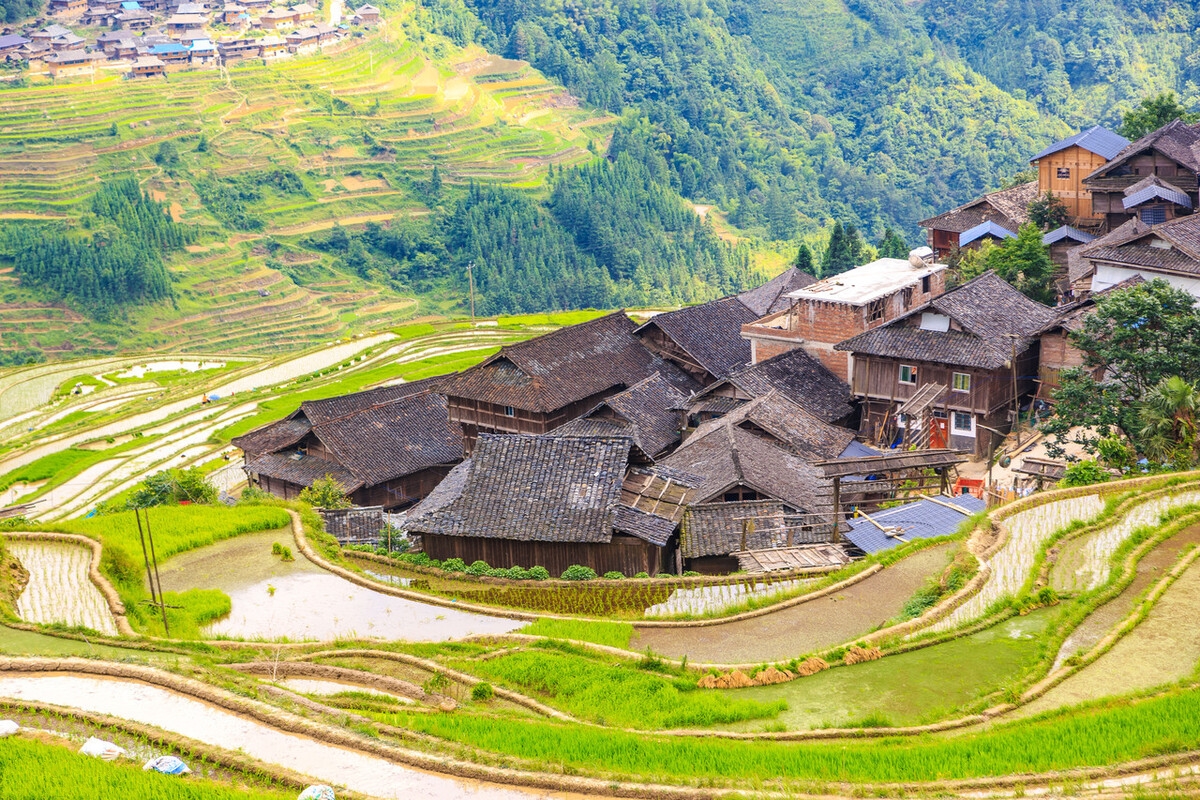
1005 461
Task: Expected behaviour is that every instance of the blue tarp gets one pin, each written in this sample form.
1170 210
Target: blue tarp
923 519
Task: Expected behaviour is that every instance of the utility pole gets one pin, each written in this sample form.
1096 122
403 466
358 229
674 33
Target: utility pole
1012 337
162 604
471 284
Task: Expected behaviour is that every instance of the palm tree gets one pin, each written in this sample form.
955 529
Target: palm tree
1168 416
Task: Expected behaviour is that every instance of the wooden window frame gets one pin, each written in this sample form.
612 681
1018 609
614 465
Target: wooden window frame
912 374
1062 173
875 310
509 411
926 284
955 430
954 381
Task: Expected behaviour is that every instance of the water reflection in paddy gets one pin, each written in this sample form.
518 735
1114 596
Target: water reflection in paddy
274 599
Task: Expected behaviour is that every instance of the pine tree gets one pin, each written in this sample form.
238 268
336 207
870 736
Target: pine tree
804 260
892 245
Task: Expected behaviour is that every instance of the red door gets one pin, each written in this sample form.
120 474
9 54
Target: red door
937 432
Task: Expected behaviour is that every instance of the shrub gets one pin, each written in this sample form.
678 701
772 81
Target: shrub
1084 473
539 573
478 568
497 572
285 554
578 572
518 573
482 692
454 565
325 493
276 549
664 575
642 575
691 573
613 575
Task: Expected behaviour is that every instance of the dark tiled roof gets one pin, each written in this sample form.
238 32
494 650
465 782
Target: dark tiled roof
987 309
320 411
1176 140
770 298
1008 207
1095 139
796 429
924 519
728 456
1125 245
559 368
647 527
530 488
273 437
798 376
715 529
301 470
386 442
711 334
643 412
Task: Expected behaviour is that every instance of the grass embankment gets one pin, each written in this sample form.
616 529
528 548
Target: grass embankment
58 468
612 634
617 692
39 770
1094 736
176 529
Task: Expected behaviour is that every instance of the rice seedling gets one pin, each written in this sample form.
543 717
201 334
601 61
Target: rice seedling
612 634
617 693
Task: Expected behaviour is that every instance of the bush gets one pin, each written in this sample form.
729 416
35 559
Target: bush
642 575
664 575
173 486
478 568
482 692
276 549
1085 473
614 575
518 574
454 565
577 572
691 573
325 493
497 572
539 573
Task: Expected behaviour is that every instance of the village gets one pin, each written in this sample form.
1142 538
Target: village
762 431
150 38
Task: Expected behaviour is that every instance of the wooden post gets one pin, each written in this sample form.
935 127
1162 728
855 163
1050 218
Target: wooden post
837 507
162 602
137 514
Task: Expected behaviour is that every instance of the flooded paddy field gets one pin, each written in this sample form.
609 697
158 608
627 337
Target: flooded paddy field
297 600
1164 648
1083 562
59 589
176 713
324 687
790 632
1010 567
920 686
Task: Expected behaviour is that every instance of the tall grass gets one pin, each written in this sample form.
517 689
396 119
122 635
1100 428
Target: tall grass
617 693
1092 736
177 529
613 634
32 770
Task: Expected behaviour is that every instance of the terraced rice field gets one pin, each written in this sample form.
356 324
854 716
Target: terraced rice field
59 590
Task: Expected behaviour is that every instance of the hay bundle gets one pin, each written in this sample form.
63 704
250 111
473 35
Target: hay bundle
772 675
857 655
738 680
811 666
708 681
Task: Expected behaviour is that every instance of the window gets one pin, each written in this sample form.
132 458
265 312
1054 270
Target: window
906 296
926 284
1063 173
875 310
908 374
962 382
962 424
1154 215
509 411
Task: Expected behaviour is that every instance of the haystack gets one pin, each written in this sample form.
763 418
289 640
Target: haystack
772 675
811 666
857 655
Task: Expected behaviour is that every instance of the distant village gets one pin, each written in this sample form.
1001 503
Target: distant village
149 38
774 429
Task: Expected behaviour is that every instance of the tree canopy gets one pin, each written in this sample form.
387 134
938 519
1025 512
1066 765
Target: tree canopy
1151 114
1023 261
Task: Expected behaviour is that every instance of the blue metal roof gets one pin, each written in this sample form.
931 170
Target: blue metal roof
130 5
202 45
1067 232
172 47
12 40
1095 139
988 228
923 519
1157 193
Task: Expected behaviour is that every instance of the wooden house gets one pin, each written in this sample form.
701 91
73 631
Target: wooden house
1056 350
182 23
952 368
796 375
366 15
1063 165
272 47
148 67
137 19
72 63
304 13
48 34
64 6
646 413
1168 250
278 19
202 51
550 501
996 215
705 341
387 447
535 386
1122 190
171 53
233 14
237 49
68 42
838 307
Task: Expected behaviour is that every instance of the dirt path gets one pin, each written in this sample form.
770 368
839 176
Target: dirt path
821 623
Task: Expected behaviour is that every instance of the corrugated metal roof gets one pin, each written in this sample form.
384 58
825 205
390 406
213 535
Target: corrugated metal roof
1067 232
1157 193
924 519
988 228
1095 139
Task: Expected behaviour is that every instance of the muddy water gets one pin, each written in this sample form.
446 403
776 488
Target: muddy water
151 705
273 599
1083 563
1150 568
324 686
59 589
1164 648
1011 566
